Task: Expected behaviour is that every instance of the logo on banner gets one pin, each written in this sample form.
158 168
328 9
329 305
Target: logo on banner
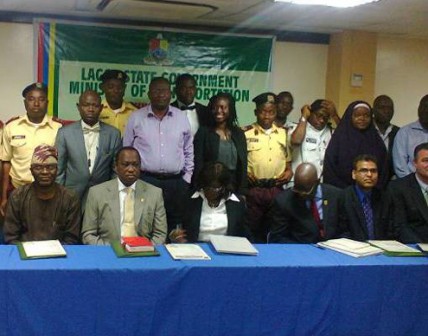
158 52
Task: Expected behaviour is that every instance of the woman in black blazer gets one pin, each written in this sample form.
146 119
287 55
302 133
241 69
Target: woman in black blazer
222 140
213 208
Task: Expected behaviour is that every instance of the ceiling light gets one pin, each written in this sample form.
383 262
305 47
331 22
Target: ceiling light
331 3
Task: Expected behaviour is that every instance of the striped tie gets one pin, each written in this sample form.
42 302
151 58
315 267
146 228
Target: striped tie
368 214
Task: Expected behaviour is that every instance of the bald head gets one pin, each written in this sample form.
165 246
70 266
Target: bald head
305 179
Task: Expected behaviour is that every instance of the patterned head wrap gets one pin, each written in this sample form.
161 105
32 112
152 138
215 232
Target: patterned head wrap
44 154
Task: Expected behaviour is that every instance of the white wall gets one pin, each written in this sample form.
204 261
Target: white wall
401 73
300 68
16 66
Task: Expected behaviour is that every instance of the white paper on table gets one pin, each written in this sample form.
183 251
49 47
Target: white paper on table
187 251
44 248
392 246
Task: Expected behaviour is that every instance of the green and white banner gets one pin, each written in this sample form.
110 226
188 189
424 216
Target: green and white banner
71 57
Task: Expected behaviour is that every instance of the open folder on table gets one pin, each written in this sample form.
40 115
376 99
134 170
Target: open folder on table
350 247
41 249
396 249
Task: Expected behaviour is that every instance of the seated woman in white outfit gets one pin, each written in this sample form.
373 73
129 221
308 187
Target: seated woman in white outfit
213 208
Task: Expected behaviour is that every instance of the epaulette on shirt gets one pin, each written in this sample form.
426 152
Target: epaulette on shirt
63 122
247 128
12 119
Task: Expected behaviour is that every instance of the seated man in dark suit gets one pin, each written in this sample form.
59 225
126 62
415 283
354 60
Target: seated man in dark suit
366 210
307 213
410 198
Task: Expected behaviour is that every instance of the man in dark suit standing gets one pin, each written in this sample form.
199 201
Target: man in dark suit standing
410 197
366 211
383 111
307 213
86 148
185 89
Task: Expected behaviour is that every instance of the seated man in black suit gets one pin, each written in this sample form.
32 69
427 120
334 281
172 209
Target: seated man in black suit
410 197
366 210
307 213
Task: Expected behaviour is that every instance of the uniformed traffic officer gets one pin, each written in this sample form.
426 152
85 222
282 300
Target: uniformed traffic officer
269 163
115 110
313 133
22 135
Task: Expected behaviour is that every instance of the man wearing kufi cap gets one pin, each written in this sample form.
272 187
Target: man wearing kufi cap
115 110
23 134
269 163
43 209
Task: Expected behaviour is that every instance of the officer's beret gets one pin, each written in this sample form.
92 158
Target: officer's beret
114 74
267 97
35 86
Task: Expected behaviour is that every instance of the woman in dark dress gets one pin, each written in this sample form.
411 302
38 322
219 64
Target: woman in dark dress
222 140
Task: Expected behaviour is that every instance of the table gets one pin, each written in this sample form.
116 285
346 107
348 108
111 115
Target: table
286 290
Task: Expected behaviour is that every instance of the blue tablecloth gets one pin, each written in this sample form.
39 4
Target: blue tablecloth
285 290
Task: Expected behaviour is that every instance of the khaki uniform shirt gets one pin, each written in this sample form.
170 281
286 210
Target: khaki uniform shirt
119 119
20 138
268 153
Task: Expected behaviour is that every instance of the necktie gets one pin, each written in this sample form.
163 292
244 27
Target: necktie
87 130
368 214
128 225
426 195
317 218
190 107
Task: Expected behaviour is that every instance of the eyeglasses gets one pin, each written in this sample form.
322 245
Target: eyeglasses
365 171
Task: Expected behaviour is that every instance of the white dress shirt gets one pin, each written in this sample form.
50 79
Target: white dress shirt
213 220
91 135
122 195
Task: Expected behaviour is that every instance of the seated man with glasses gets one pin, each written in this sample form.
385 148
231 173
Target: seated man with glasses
307 213
43 209
367 211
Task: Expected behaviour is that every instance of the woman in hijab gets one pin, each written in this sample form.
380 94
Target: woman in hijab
354 135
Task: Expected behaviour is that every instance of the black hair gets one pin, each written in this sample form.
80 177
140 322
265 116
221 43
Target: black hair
233 118
116 158
283 94
316 105
212 172
363 157
158 79
183 77
418 148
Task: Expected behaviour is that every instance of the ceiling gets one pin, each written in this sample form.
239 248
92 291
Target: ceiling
406 18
